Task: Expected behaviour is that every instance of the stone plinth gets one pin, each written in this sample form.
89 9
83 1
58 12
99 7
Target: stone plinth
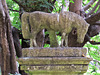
54 61
66 51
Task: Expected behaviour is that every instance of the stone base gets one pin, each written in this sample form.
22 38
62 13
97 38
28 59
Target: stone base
53 73
54 61
57 51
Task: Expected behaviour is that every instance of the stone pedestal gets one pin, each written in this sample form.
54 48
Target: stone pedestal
54 61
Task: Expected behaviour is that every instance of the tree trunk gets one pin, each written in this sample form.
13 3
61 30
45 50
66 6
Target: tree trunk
76 6
72 38
5 49
8 51
0 51
15 33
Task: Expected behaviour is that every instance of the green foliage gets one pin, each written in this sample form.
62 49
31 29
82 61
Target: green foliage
94 52
14 16
44 4
97 7
92 70
15 20
20 41
63 3
71 1
87 1
46 32
57 7
46 45
38 5
59 39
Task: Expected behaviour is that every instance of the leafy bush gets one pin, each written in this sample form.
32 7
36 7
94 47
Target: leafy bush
94 52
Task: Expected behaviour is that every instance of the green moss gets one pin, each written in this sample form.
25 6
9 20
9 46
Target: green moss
63 22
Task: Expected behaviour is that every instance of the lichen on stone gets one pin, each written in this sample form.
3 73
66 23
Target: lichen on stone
63 22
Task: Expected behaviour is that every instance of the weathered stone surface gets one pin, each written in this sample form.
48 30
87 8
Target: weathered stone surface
63 22
54 73
57 51
53 60
67 68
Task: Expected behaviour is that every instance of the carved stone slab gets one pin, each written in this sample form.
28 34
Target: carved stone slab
56 67
54 61
54 73
57 51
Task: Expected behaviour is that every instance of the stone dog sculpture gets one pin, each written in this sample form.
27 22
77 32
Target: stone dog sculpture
63 22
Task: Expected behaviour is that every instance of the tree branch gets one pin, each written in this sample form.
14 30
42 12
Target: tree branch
19 3
94 42
91 42
92 11
98 9
97 23
88 5
52 1
14 10
92 19
96 61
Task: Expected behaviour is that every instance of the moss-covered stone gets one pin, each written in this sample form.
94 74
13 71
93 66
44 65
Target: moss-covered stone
54 73
63 22
54 61
56 68
57 51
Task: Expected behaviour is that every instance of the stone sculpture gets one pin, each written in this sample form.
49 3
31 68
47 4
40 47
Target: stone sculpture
63 22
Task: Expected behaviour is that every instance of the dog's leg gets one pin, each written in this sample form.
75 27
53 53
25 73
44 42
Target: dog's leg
33 42
53 40
62 39
66 40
